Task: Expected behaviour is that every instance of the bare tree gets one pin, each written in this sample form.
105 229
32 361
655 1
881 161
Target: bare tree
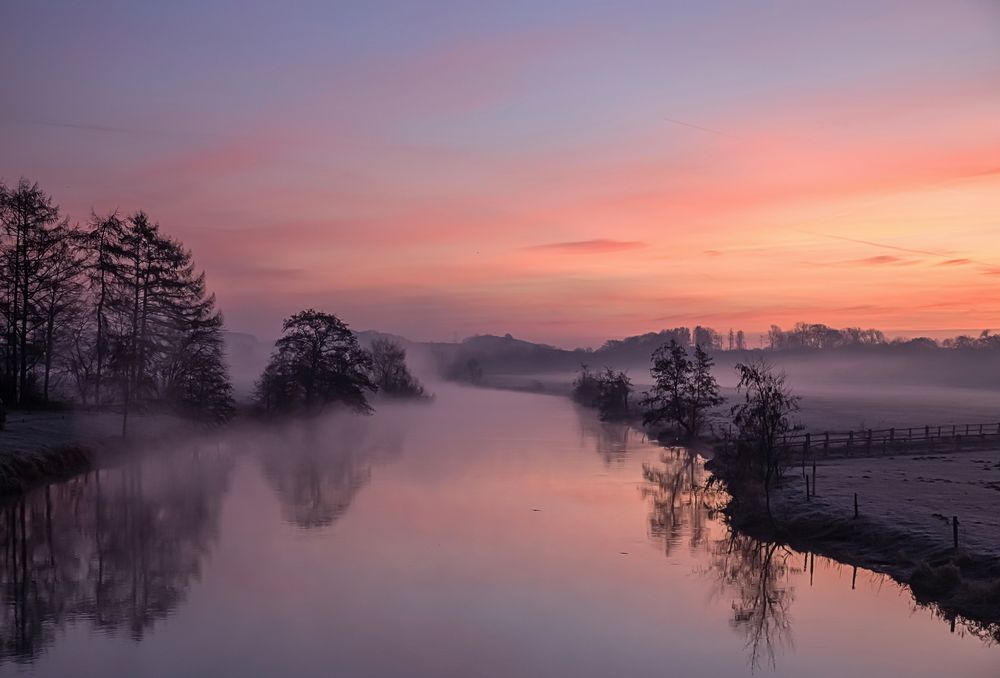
762 419
391 375
101 243
586 387
614 392
60 299
30 222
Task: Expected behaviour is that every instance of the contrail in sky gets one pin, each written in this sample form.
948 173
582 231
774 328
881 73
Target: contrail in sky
877 244
698 127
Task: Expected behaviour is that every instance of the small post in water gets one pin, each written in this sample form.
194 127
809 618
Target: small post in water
855 504
954 531
808 496
814 476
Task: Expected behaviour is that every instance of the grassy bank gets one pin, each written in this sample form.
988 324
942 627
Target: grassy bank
42 446
20 470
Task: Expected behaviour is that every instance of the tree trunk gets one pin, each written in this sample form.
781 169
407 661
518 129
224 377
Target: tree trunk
23 376
100 331
49 341
15 395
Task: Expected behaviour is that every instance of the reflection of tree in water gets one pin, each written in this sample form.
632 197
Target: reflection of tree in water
681 498
756 574
118 547
317 468
684 500
612 439
315 488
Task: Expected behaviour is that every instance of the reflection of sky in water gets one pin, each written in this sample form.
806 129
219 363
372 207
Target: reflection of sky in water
487 534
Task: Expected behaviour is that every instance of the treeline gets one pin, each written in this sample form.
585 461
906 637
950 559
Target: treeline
112 314
706 337
816 336
802 336
476 358
821 337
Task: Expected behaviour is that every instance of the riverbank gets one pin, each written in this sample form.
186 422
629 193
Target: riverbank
41 446
903 527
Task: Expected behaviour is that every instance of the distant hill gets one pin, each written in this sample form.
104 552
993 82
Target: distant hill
366 337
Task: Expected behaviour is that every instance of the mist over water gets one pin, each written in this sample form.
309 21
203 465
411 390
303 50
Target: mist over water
486 533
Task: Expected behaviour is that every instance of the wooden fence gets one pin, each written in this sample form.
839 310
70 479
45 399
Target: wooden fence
874 442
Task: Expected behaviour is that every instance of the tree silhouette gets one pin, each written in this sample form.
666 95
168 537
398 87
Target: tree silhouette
390 373
167 333
683 390
703 389
32 230
116 313
613 392
761 419
586 387
667 400
317 362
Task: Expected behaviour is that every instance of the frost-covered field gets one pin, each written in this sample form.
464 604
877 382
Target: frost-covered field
916 494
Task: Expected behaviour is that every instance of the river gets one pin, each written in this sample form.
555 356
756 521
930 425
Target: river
489 533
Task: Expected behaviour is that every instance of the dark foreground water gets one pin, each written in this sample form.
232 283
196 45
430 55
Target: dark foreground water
488 534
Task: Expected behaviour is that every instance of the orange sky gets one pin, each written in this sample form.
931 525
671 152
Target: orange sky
566 176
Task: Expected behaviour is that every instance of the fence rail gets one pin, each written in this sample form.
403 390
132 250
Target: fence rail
872 442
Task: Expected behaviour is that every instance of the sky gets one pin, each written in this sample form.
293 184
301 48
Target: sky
563 171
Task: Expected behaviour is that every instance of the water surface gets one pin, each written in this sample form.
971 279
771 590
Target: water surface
487 534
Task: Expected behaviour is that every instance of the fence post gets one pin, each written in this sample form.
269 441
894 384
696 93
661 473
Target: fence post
814 476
